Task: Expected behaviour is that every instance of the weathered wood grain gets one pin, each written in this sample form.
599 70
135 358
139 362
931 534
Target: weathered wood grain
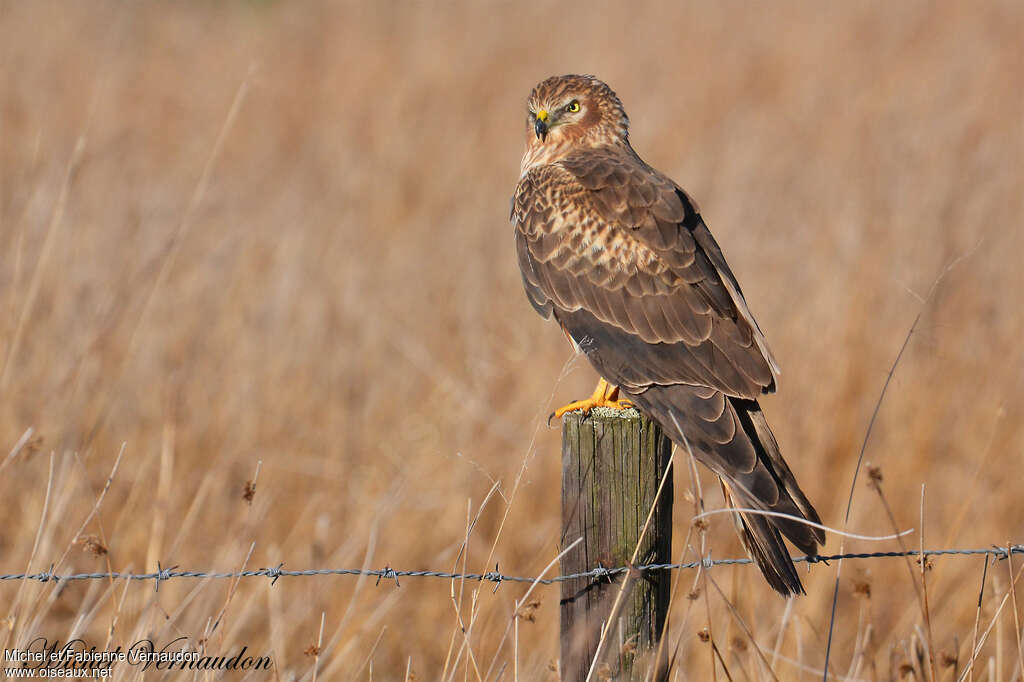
612 464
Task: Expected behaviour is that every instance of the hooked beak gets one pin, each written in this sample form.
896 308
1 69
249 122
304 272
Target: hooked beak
540 126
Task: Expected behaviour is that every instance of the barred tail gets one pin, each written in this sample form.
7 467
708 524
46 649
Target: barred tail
731 436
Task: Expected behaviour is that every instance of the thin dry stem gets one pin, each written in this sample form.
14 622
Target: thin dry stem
1016 616
976 649
319 646
743 626
923 563
13 611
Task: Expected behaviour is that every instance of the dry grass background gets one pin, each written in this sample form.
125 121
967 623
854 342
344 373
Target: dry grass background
325 282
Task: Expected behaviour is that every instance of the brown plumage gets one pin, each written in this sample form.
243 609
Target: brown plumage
619 255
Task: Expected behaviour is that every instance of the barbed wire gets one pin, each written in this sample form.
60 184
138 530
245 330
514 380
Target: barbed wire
388 573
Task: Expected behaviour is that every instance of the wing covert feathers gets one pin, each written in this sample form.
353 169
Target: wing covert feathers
604 233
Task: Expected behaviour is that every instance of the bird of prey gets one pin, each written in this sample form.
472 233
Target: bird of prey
619 255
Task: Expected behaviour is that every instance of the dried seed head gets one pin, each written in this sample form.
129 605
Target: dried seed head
33 445
528 611
93 545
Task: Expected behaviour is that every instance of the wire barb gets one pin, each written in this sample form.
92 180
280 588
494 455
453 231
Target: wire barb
46 576
273 573
163 574
601 573
1002 553
495 577
388 573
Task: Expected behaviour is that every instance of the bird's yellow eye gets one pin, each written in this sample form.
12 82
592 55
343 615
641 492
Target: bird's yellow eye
572 107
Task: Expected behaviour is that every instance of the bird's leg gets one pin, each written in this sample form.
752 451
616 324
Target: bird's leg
605 395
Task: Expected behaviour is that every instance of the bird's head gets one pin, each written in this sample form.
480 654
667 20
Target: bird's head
564 112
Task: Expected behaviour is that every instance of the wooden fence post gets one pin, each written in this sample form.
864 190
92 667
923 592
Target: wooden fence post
612 464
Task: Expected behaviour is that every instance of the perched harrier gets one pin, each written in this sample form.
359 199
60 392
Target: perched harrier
622 259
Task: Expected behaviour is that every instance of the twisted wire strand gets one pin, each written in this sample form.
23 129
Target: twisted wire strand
389 574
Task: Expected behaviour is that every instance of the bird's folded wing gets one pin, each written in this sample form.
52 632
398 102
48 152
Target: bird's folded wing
603 232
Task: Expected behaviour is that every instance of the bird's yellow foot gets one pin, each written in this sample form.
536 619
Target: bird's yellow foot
605 395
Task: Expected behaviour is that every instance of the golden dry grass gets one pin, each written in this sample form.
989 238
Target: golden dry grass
324 282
